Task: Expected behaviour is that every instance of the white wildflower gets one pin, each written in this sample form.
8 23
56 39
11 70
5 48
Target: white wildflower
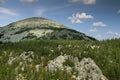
20 63
5 52
69 45
78 46
94 46
73 76
52 50
23 68
11 60
31 53
20 77
23 55
37 67
30 60
68 69
79 78
60 47
16 70
111 61
10 54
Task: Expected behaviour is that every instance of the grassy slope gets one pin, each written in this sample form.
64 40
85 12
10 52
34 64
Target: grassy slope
107 56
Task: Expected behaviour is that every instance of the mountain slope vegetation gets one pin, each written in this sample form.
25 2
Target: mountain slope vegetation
36 28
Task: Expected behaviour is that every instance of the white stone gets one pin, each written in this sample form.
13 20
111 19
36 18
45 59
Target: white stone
89 70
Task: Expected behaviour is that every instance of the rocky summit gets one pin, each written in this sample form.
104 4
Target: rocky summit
37 28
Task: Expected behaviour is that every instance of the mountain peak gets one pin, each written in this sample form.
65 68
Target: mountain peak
37 18
34 19
39 28
36 22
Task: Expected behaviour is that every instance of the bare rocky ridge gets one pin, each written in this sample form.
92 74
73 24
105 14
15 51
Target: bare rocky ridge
39 28
86 69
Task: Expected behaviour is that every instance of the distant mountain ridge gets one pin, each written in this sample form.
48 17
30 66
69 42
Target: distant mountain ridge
39 28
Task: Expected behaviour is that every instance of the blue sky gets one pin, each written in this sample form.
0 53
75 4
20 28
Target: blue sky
96 18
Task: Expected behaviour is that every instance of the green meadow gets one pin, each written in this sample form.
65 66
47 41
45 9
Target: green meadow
106 55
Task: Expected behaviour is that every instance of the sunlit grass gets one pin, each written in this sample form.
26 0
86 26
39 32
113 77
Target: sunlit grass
106 54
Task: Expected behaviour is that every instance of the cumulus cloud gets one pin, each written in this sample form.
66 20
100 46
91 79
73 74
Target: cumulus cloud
8 12
93 30
110 32
28 1
79 17
74 1
40 12
98 36
118 11
99 24
87 2
113 33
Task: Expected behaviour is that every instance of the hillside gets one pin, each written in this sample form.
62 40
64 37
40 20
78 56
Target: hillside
36 28
41 49
28 60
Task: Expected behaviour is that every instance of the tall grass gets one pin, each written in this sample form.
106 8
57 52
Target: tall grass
105 53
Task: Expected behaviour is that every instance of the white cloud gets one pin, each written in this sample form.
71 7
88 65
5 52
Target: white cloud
87 2
110 32
74 1
79 17
118 11
98 36
28 1
99 24
113 33
40 12
94 30
8 12
117 34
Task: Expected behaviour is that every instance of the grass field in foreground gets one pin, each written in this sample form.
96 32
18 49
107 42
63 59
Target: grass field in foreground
106 55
